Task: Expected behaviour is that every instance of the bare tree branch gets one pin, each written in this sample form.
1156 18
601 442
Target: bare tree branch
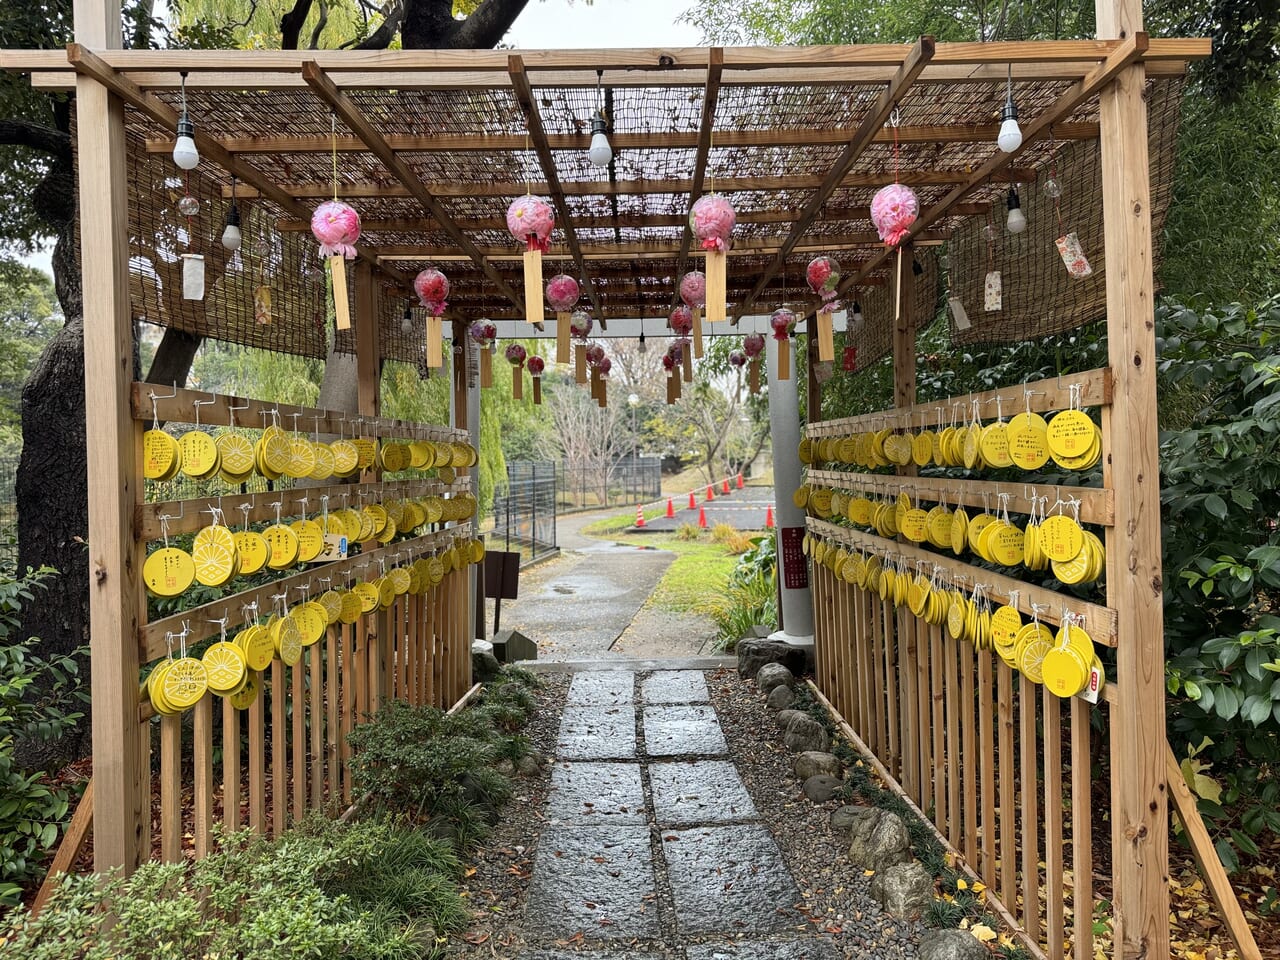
489 24
381 38
291 24
37 136
324 18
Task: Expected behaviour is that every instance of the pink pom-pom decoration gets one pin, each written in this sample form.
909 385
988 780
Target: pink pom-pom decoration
595 353
483 332
604 366
753 345
516 354
675 350
580 324
562 292
432 288
668 362
693 288
893 210
530 219
823 275
737 358
782 322
681 321
712 220
336 226
536 365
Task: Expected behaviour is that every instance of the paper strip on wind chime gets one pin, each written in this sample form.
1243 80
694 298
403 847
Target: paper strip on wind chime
712 220
530 220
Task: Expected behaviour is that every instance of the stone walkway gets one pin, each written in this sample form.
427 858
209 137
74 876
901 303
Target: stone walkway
651 835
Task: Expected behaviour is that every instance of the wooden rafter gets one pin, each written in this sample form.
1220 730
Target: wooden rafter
87 62
1130 50
873 123
538 137
590 188
350 114
706 132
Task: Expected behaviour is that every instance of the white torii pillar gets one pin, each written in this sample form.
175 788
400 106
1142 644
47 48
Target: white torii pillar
796 605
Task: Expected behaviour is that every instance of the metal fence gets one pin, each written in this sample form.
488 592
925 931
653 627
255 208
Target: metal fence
8 515
627 480
525 515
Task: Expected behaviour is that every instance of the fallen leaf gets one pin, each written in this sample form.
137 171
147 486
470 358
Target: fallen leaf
982 932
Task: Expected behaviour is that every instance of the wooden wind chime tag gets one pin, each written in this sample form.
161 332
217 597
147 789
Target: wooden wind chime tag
486 365
753 376
338 275
603 399
517 381
595 384
533 308
580 363
537 391
697 332
717 279
826 337
784 359
686 365
673 388
435 346
562 337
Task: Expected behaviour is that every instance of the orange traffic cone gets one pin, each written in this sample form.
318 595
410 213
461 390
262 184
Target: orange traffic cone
693 501
702 517
711 493
739 481
724 486
671 508
768 517
639 516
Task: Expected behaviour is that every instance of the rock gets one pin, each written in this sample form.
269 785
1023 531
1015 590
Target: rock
811 762
951 945
530 765
822 787
904 890
754 654
878 840
805 733
505 767
781 698
785 717
844 818
484 665
773 675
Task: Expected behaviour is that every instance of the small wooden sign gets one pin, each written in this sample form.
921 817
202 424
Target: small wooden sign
341 306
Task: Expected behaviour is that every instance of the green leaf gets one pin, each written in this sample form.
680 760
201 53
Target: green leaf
1216 506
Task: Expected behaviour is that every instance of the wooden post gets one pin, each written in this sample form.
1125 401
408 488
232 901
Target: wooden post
1139 797
904 341
114 456
368 360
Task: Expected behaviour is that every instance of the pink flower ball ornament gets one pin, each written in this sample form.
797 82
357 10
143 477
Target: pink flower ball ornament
432 288
516 354
893 210
753 345
580 324
536 365
668 362
737 358
530 219
562 292
782 322
603 367
693 288
595 353
336 226
483 332
681 321
712 220
675 350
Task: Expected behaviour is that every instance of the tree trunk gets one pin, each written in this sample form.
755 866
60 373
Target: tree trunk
174 356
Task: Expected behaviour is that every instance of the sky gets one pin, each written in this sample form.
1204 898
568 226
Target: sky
574 23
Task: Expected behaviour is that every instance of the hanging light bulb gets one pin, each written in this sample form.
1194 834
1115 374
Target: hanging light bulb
1010 137
406 322
601 152
185 154
1017 220
231 235
857 314
644 347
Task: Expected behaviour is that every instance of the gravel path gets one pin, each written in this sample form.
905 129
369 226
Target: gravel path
668 824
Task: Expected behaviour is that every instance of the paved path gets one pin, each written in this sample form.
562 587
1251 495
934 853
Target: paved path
742 509
651 835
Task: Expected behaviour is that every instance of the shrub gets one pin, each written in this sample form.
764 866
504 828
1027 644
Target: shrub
723 532
750 596
688 531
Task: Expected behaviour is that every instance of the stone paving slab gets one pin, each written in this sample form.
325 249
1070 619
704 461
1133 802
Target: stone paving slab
596 794
702 791
729 880
675 686
815 949
683 731
595 879
607 688
597 733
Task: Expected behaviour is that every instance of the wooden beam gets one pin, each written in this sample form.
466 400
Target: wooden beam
538 136
68 852
706 130
1129 51
87 63
583 188
350 114
872 123
668 140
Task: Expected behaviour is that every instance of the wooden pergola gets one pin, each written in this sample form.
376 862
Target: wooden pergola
431 146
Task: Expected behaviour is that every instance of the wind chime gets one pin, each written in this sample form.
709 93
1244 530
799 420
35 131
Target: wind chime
483 333
580 325
432 288
1068 243
681 322
516 355
593 355
783 323
693 291
336 226
536 365
823 275
671 363
752 348
712 220
562 294
531 220
894 209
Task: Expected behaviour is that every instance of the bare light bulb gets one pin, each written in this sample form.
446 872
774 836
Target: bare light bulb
1010 137
601 152
857 314
1017 220
406 322
231 236
644 347
185 154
